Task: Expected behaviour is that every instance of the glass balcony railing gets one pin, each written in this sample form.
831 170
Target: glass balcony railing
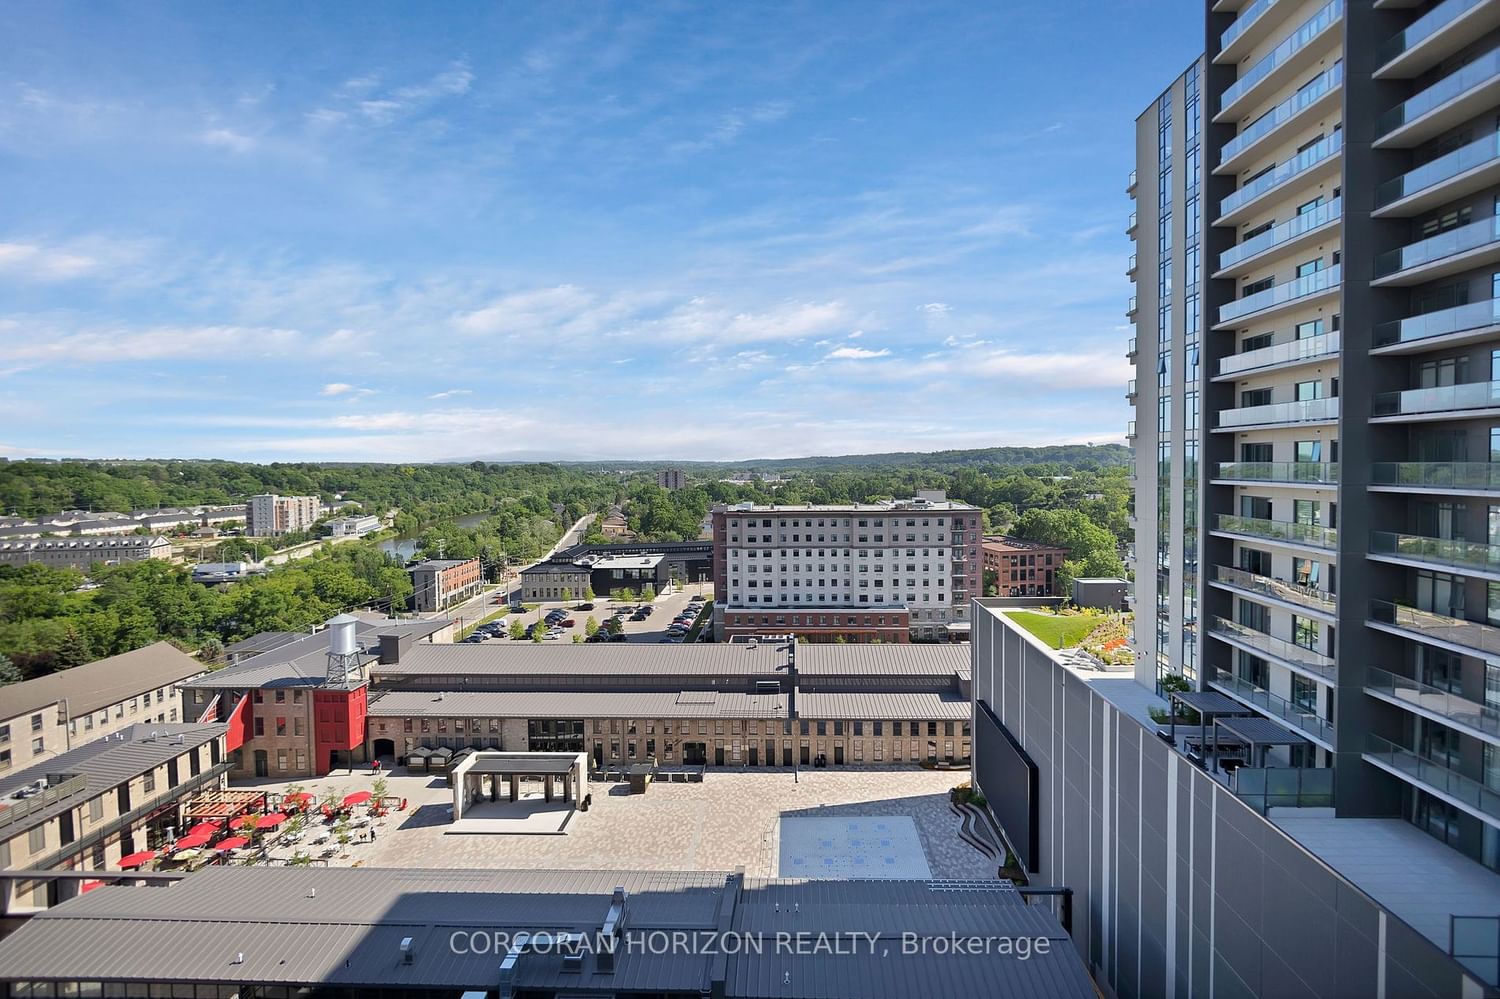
1279 471
1288 653
1443 399
1436 775
1283 112
1283 233
1279 530
1480 475
1304 411
1277 589
1281 353
1247 17
1308 284
1130 389
1462 239
1481 70
1265 788
1130 430
1283 172
1130 225
1298 717
1474 316
1305 33
1423 28
1436 551
1481 639
1439 171
1130 306
1130 347
1433 699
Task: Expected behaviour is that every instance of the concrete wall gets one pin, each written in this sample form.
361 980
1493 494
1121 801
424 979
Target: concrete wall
1180 888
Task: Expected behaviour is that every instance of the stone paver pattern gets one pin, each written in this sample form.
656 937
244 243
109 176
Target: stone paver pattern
729 820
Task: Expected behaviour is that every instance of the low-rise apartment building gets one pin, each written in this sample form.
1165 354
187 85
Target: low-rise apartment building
606 568
83 553
891 571
442 582
353 527
52 714
268 515
1022 568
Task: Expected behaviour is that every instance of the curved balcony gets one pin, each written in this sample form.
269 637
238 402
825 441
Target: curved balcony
1446 104
1274 706
1414 549
1281 531
1279 414
1297 49
1451 401
1476 321
1465 170
1466 637
1295 473
1306 597
1248 137
1310 286
1304 163
1432 702
1279 355
1288 654
1302 228
1459 249
1433 776
1436 476
1434 36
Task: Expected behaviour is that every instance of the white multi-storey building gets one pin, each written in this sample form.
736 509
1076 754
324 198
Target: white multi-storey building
269 515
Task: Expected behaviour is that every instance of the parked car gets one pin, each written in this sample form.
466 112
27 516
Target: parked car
648 610
584 607
637 616
567 622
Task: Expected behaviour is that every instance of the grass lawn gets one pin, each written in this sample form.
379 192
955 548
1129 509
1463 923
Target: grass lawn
1057 631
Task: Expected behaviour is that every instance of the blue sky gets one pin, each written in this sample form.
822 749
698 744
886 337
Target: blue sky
702 231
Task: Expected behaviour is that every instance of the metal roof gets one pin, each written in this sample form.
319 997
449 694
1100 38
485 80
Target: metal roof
889 658
304 663
879 704
523 763
612 659
1260 731
438 564
264 642
577 704
102 682
1210 702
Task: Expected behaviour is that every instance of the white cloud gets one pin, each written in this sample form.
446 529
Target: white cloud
856 354
450 393
41 263
336 388
937 308
227 138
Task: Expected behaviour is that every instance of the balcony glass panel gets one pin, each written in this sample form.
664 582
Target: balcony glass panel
1278 56
1311 284
1308 410
1287 652
1277 589
1276 235
1423 28
1283 172
1481 638
1274 706
1247 17
1433 699
1279 471
1447 244
1440 170
1445 398
1474 316
1435 775
1283 112
1437 474
1281 353
1279 530
1481 70
1438 551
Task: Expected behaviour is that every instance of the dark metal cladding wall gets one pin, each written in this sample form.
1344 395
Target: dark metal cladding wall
1180 888
1009 767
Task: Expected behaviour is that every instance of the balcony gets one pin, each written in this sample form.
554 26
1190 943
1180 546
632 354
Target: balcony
1446 327
1279 355
1296 52
1282 531
1313 95
1250 27
1307 288
1451 176
1279 590
1273 706
1433 37
1130 391
1289 654
1291 473
1433 776
1446 104
1130 351
1306 411
1414 549
1469 638
1317 159
1130 431
1451 401
1130 226
1305 228
1432 702
1130 268
1130 309
1458 249
1130 185
1435 476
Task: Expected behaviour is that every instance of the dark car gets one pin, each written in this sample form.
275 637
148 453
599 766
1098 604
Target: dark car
648 610
584 607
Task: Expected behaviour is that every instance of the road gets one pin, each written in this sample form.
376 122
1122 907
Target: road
483 603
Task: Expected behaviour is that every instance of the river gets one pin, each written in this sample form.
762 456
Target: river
406 548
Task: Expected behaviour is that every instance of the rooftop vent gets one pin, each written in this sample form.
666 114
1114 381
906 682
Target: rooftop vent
407 954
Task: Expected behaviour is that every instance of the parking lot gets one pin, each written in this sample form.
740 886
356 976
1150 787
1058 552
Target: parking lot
651 630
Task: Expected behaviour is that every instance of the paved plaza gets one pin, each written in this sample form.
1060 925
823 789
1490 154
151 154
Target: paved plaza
729 820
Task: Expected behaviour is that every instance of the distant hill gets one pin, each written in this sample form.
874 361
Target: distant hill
1071 455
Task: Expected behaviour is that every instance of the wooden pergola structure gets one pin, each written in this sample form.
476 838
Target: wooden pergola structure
221 805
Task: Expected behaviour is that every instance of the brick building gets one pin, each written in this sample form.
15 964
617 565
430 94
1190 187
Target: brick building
441 582
1023 568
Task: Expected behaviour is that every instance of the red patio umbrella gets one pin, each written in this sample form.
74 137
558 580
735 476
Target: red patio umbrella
204 827
192 841
357 798
232 843
270 820
131 861
297 798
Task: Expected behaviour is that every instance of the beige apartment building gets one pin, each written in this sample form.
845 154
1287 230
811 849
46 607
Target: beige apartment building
84 553
268 515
